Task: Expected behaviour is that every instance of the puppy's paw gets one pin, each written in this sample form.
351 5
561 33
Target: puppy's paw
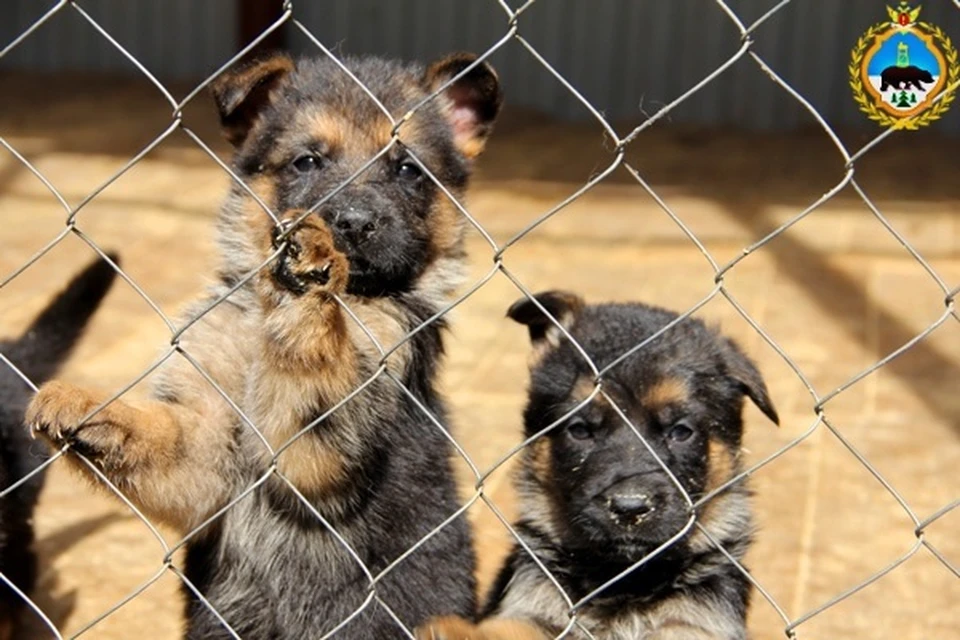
449 628
309 261
56 413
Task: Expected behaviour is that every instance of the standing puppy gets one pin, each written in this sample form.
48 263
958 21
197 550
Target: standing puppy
38 353
389 245
594 500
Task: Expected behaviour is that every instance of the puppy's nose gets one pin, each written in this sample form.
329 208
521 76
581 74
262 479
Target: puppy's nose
355 224
629 506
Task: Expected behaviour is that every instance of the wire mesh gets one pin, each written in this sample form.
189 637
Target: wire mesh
500 253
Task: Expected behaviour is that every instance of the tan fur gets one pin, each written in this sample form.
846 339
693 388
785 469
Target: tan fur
664 393
582 389
721 468
729 510
111 428
447 223
258 224
279 412
411 130
472 147
540 460
721 464
337 134
330 129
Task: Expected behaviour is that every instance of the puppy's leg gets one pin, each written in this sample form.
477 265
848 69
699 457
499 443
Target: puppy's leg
306 360
151 453
304 326
454 628
117 439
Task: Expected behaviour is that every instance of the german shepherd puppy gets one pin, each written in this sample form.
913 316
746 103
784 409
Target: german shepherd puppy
376 469
38 354
593 499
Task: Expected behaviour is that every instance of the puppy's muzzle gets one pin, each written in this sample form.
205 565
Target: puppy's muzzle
355 225
632 500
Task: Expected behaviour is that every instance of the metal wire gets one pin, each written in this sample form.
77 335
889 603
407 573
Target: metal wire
820 403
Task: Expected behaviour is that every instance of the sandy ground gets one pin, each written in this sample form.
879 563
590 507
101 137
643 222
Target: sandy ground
836 292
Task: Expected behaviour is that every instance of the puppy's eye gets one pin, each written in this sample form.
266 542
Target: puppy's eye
578 429
307 163
409 171
680 432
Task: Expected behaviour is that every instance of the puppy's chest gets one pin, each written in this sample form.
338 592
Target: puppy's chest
302 577
680 614
531 595
276 550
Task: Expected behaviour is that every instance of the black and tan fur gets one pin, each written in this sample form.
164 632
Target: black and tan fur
38 354
593 499
390 245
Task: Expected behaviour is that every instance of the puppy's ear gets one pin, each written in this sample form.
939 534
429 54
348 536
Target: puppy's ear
242 92
473 101
544 333
745 374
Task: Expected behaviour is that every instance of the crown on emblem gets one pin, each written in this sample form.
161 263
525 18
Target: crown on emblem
903 16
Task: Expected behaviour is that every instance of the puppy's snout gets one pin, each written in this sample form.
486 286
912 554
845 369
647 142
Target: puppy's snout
630 506
631 500
355 224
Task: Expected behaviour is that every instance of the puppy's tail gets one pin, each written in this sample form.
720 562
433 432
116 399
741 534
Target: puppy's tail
47 343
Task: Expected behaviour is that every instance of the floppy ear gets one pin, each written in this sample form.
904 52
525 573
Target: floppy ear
473 101
744 372
242 92
544 334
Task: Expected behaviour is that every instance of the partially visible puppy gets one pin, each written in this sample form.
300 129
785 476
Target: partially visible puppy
594 501
38 354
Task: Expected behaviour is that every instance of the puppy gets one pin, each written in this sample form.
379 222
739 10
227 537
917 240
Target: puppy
305 453
37 353
594 500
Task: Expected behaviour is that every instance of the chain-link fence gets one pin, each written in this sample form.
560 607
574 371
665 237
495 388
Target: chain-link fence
619 142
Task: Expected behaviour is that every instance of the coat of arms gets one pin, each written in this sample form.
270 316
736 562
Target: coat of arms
904 73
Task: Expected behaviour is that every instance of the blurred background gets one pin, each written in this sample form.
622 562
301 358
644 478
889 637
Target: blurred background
836 291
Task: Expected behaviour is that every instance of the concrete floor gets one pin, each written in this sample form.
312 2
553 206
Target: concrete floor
836 292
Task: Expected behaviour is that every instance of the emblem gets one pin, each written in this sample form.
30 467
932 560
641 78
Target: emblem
904 73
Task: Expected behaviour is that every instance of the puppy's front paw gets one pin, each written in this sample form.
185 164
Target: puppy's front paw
56 413
309 261
449 628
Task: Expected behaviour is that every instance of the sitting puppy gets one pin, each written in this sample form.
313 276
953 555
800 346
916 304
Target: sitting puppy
594 501
309 452
38 353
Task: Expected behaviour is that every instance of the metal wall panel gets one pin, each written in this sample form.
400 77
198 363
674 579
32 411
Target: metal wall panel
171 38
628 57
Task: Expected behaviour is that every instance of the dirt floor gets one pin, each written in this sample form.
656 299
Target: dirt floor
837 292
